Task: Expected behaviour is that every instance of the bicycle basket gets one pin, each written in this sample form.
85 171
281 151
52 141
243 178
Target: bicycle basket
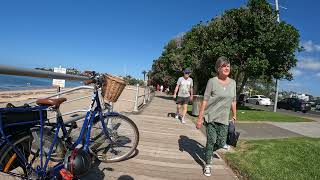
112 87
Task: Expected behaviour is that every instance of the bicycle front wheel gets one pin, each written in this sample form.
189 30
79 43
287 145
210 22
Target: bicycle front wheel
118 143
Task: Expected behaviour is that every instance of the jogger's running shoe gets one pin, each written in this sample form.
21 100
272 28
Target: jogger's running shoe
177 116
183 121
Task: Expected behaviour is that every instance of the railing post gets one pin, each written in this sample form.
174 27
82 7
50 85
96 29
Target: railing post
135 108
148 93
144 95
58 96
111 106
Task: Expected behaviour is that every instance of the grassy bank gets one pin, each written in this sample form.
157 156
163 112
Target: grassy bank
294 158
250 114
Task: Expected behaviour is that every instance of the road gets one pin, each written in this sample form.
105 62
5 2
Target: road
308 129
313 115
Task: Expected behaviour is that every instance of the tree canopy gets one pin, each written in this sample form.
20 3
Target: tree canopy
133 81
249 36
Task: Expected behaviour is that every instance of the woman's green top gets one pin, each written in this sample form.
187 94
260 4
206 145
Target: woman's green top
219 99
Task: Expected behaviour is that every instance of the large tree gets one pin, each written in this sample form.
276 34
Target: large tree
256 44
168 67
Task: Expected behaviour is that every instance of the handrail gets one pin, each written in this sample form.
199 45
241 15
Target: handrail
10 70
130 88
64 92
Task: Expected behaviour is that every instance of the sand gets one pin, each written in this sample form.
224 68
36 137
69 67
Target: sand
20 97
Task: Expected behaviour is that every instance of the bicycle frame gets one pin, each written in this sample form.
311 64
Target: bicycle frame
83 139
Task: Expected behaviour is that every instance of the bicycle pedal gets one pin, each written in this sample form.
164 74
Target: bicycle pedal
74 125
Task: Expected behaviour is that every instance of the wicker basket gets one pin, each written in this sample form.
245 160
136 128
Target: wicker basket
112 88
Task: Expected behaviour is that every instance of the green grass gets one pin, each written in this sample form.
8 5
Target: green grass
293 158
249 114
260 115
189 108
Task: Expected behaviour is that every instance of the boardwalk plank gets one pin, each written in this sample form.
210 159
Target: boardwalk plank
167 150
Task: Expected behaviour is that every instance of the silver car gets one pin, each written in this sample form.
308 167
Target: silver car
259 100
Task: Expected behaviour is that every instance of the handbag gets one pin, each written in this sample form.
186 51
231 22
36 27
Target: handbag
233 135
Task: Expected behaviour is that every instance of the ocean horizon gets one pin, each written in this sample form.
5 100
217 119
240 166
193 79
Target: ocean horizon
11 82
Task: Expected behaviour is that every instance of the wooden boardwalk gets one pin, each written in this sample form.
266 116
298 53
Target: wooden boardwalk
167 149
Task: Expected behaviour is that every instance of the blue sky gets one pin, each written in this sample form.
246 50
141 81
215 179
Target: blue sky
125 36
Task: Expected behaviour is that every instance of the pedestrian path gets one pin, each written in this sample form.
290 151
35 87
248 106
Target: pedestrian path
309 129
167 149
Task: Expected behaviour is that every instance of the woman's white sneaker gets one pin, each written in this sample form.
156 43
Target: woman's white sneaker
207 170
226 147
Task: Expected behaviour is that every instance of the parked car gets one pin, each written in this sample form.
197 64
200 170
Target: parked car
294 104
318 107
259 100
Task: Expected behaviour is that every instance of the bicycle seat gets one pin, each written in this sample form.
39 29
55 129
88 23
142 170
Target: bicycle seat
51 102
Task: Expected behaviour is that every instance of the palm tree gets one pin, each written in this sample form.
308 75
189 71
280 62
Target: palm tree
144 72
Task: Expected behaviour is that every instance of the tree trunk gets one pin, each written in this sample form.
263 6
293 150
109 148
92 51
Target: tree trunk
238 76
243 83
195 85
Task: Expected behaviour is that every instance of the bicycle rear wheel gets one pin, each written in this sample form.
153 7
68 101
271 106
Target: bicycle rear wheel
121 141
10 161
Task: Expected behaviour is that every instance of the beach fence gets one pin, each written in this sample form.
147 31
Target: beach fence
132 99
142 95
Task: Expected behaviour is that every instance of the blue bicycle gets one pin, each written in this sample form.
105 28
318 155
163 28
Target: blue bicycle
31 147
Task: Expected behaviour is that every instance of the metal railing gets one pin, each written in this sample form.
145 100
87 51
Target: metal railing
69 101
9 70
146 97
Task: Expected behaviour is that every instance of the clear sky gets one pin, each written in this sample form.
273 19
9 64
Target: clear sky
125 36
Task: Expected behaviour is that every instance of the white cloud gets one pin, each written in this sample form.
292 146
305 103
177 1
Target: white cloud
296 72
294 84
308 63
309 46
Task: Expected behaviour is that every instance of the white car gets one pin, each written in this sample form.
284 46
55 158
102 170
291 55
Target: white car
318 107
259 100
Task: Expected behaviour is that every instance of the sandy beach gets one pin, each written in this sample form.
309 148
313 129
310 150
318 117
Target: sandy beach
21 97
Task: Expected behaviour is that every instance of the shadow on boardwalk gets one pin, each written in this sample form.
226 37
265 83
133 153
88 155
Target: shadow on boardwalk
99 174
95 172
194 148
125 177
165 97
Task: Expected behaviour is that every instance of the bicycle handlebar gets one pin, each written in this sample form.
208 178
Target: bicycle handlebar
94 79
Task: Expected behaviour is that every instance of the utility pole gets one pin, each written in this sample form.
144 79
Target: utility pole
277 82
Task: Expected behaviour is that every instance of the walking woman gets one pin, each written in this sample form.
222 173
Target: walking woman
219 98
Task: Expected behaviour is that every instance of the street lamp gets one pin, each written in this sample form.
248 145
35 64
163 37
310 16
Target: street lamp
277 82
